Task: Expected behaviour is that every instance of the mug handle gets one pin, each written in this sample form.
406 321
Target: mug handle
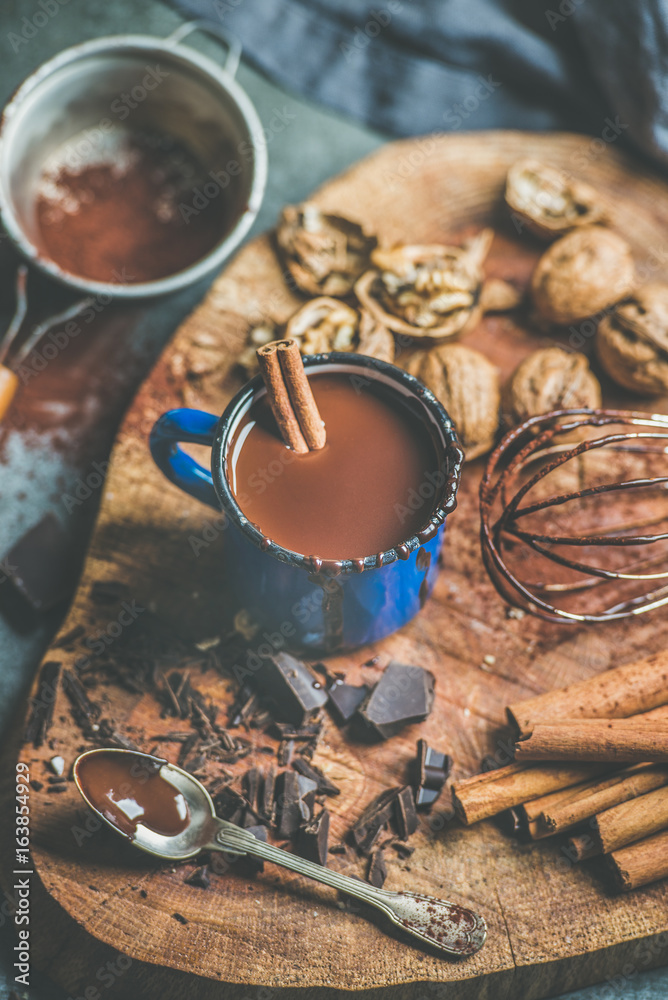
195 427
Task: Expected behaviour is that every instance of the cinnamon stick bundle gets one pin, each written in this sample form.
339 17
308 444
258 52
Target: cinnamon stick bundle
290 396
533 810
640 863
492 792
611 740
624 824
597 796
614 694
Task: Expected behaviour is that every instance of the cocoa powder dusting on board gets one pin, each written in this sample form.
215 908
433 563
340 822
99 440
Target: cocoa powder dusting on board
123 214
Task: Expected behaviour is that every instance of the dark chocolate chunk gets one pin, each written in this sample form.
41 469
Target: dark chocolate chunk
267 801
108 591
179 916
250 819
249 861
250 783
199 878
308 732
289 813
405 815
403 850
187 748
291 687
57 788
42 565
368 828
295 798
143 893
403 695
41 706
37 785
345 699
307 792
285 751
195 763
307 750
108 736
84 711
230 805
433 768
377 871
325 786
338 849
312 839
239 708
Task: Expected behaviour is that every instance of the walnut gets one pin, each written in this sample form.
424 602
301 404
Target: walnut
548 201
467 385
325 324
551 379
426 291
325 254
581 274
632 342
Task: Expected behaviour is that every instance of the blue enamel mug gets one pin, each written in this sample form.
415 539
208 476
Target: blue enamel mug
299 603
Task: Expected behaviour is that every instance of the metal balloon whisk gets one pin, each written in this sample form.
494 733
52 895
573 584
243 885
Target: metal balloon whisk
574 515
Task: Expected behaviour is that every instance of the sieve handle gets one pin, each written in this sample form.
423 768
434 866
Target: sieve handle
232 44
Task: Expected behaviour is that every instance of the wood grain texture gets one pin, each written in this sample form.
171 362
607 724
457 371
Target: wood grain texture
552 925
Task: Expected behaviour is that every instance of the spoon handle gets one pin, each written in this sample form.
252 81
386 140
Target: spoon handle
447 926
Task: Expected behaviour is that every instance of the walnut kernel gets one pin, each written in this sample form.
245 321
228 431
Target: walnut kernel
325 254
548 202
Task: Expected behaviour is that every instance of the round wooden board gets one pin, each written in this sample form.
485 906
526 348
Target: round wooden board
551 926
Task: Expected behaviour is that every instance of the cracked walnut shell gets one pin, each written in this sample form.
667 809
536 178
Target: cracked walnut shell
426 291
581 274
551 379
467 385
632 342
325 254
325 324
322 325
548 202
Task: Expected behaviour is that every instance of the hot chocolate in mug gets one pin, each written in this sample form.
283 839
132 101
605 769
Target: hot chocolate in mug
338 548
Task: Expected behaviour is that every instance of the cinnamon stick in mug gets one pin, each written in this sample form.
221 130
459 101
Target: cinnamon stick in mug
290 396
614 694
604 740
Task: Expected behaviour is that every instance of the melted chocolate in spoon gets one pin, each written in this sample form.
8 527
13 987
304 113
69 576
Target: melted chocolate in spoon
128 789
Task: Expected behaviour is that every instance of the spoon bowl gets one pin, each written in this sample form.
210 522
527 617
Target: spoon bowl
202 823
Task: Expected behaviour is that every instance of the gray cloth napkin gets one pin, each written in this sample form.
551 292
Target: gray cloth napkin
415 66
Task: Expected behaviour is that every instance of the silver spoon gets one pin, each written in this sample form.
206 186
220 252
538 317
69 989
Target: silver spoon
446 926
